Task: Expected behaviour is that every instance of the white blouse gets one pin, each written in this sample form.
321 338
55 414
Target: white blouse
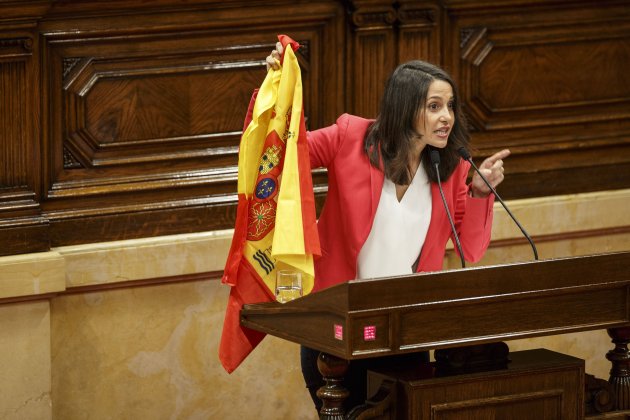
398 231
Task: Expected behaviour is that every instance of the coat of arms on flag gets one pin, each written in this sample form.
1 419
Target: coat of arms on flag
275 222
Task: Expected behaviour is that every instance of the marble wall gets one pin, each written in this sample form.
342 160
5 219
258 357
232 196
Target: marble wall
25 357
151 353
130 329
25 361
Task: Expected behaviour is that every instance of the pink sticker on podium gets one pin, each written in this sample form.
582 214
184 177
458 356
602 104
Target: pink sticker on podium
338 332
369 333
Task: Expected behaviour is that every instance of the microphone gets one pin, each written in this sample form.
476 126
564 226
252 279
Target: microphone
435 160
466 156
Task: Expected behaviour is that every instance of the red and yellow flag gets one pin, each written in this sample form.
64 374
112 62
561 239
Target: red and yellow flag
275 221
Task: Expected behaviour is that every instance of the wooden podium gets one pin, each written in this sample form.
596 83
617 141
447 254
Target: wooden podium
449 309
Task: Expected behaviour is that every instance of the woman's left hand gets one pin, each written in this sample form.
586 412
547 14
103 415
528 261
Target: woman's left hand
273 59
492 169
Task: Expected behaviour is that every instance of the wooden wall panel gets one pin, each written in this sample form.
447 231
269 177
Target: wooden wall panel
383 35
122 120
550 82
418 33
22 229
146 114
13 152
373 52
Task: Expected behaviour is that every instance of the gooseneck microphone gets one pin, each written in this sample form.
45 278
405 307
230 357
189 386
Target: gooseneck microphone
466 156
435 160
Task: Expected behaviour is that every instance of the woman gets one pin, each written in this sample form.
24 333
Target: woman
383 214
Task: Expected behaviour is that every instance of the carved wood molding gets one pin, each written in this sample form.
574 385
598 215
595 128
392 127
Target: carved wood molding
16 12
414 15
16 47
378 15
69 160
465 36
95 145
620 372
371 15
68 64
373 19
100 106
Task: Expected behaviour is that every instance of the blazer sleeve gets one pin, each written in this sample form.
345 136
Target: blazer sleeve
324 143
473 218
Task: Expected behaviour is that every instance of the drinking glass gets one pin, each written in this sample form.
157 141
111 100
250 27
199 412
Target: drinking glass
288 285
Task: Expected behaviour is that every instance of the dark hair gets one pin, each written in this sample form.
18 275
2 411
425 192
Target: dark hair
393 133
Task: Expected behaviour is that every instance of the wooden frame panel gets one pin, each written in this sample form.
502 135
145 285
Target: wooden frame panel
142 130
531 80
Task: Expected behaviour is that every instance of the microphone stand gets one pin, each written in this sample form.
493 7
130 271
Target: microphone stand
464 154
435 160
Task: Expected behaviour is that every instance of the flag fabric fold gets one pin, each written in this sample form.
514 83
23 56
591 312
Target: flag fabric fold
275 222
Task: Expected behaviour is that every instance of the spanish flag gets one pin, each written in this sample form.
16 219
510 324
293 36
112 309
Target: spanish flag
275 220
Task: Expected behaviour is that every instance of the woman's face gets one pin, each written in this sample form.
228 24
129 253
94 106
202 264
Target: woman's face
436 118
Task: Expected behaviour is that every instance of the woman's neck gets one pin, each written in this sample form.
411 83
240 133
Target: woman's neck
415 157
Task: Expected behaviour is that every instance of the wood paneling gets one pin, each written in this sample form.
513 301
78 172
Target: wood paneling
373 54
533 79
122 120
22 228
418 35
147 111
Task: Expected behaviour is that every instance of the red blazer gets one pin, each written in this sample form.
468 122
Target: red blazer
354 190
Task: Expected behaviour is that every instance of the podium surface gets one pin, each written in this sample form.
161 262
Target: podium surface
377 317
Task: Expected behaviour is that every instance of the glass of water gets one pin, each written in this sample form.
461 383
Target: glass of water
288 285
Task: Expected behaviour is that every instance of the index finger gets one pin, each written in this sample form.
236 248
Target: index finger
498 155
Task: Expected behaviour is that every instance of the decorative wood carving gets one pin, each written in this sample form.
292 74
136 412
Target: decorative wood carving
370 15
599 395
620 372
16 47
131 116
465 35
68 64
69 161
333 393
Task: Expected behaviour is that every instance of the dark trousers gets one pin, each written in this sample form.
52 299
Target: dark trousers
356 377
